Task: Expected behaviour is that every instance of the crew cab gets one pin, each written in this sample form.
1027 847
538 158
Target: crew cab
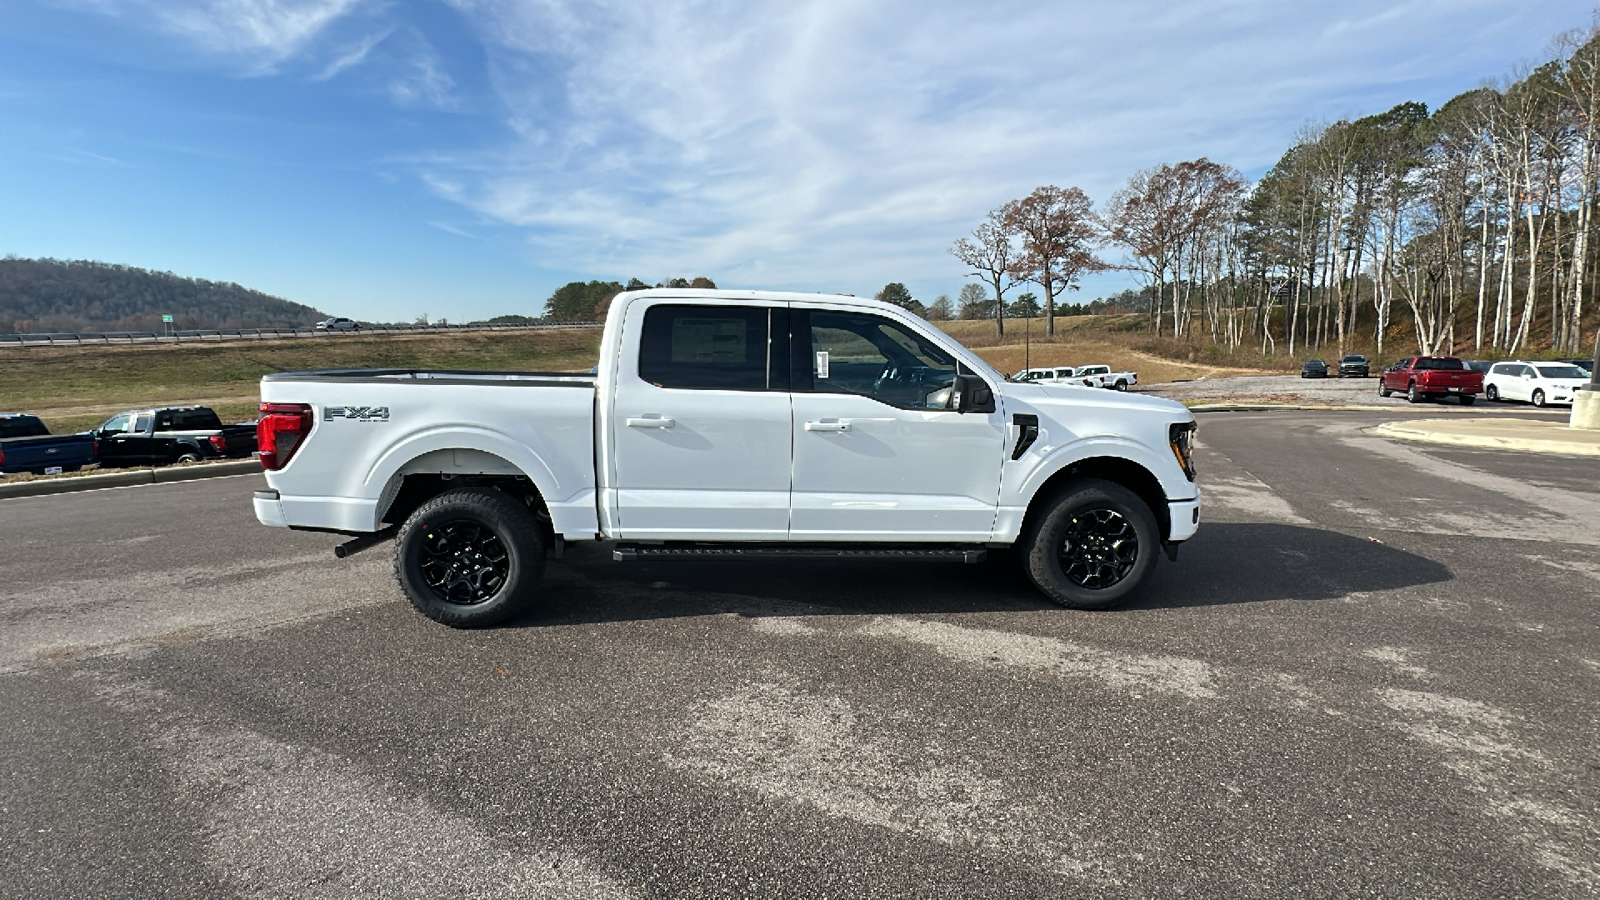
174 434
1102 376
1430 377
26 445
730 424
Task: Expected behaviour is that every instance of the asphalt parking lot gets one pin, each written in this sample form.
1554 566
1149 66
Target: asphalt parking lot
1374 672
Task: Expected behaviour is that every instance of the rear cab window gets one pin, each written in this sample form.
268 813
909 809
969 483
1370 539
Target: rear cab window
22 426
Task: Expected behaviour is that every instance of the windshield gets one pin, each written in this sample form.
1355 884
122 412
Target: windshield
1355 359
1562 371
1440 362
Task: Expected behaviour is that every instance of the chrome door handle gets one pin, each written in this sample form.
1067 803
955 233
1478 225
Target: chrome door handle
650 422
828 425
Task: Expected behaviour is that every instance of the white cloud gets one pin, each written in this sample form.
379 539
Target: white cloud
353 56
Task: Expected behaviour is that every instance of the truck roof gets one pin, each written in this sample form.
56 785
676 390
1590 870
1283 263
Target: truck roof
770 296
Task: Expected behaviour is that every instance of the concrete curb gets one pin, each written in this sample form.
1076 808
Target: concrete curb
1282 407
128 478
1419 431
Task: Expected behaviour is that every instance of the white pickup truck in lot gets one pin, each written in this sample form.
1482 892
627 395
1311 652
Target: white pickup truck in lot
1102 376
730 424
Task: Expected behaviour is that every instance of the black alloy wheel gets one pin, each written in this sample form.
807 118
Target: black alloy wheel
1091 544
463 563
471 557
1099 549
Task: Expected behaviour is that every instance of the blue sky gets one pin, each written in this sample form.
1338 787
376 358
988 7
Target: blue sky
463 158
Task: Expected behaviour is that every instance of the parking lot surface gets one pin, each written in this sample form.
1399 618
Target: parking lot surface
1374 672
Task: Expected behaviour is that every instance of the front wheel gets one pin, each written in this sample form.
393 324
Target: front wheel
470 558
1383 390
1538 398
1093 546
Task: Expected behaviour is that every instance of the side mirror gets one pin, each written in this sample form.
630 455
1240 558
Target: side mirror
972 394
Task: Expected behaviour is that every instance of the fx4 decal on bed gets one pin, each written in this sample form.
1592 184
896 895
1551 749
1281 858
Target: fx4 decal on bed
359 413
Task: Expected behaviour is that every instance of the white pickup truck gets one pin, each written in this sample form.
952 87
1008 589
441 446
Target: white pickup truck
1102 376
729 424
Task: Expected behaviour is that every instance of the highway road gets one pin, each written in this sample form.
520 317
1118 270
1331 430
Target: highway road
1374 672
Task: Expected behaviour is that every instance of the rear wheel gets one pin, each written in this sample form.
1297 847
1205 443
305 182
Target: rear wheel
1093 546
1467 399
187 456
1122 385
470 558
1538 398
1491 393
1413 395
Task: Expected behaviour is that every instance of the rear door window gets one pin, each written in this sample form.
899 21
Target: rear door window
723 348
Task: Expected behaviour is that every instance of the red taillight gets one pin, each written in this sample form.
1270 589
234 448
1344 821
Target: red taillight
281 430
2 456
219 442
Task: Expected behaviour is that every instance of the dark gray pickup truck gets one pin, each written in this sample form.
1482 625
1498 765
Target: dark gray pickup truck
174 434
26 445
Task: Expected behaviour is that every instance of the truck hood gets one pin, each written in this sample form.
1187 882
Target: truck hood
1081 396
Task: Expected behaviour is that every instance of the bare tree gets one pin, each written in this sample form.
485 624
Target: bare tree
992 253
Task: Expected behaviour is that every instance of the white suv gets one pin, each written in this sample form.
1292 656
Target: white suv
1539 383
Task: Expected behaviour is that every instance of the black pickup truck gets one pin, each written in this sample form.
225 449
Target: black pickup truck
175 434
26 445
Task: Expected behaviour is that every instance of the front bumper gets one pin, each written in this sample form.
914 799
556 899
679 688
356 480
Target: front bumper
1185 518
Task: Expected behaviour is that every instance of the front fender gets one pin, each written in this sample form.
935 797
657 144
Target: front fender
1022 483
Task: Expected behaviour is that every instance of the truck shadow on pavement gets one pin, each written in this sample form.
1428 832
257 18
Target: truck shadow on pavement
1226 563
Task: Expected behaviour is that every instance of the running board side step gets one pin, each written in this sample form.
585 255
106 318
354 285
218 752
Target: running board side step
965 553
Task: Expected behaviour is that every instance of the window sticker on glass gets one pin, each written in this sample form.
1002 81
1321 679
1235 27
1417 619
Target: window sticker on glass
822 364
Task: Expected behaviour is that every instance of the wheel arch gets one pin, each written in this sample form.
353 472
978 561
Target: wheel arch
1116 469
434 472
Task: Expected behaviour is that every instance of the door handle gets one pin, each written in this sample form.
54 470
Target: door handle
833 425
650 421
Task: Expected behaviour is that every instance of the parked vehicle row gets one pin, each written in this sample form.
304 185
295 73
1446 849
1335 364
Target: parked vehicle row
1351 365
1089 376
138 437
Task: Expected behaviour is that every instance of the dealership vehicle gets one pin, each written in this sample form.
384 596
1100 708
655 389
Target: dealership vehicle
730 425
1429 377
1313 368
1539 383
1354 365
338 324
1049 375
174 434
1102 376
26 445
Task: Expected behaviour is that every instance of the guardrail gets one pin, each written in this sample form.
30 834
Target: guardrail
95 338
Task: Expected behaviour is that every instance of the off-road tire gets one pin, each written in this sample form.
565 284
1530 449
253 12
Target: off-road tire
1491 394
1110 521
470 558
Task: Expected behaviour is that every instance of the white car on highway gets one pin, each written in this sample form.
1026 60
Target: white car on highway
1539 383
730 425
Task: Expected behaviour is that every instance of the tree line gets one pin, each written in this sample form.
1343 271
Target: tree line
579 301
1477 218
39 295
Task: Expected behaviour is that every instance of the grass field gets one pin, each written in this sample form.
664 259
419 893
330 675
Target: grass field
74 388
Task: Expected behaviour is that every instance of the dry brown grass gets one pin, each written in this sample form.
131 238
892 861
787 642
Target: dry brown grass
1083 340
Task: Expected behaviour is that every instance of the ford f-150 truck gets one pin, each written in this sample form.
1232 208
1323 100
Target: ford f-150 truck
729 424
1430 377
1103 377
26 445
175 434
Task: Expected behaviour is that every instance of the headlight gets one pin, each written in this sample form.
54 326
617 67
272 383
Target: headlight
1181 436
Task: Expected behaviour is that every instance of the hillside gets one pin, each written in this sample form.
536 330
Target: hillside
81 295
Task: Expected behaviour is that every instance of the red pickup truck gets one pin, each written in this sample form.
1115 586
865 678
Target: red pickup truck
1428 377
